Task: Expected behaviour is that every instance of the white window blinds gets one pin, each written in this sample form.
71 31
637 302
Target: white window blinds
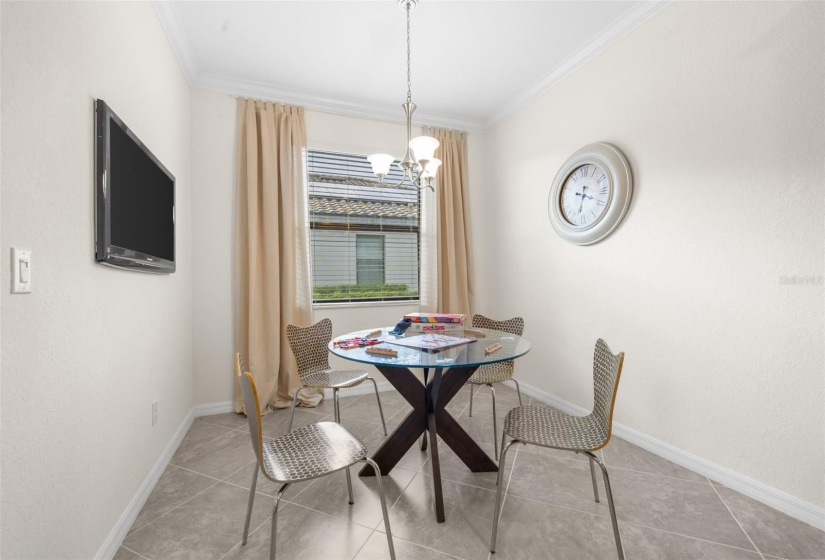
364 236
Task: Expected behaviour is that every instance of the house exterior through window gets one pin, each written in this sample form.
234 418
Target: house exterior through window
364 235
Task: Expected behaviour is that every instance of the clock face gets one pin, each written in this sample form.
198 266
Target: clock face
585 195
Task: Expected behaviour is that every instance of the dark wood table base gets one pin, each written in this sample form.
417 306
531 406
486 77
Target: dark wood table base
428 415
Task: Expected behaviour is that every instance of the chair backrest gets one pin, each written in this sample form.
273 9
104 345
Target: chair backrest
512 326
309 344
502 370
607 370
252 405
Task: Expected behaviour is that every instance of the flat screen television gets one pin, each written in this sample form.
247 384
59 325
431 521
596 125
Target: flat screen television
134 200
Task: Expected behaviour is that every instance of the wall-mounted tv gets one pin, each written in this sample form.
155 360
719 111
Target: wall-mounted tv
134 200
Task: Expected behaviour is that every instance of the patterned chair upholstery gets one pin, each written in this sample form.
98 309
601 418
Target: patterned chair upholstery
495 373
309 345
548 427
307 453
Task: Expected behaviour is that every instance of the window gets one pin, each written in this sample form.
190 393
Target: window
369 259
364 236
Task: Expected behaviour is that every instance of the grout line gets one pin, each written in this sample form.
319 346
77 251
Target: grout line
252 532
687 536
142 527
206 475
363 544
613 469
756 548
134 552
227 434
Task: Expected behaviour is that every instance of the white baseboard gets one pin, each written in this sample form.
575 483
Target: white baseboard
777 499
121 528
211 409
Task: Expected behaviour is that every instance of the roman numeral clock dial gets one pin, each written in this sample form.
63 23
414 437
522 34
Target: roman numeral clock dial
590 194
584 195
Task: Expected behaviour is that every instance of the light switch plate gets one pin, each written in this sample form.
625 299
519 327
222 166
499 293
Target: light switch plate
21 271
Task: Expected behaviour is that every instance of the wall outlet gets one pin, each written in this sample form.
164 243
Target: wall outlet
154 413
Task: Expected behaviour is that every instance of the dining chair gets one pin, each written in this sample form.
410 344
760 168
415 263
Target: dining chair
495 373
548 427
309 452
309 345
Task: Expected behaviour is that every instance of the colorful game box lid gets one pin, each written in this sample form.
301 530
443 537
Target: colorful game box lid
457 318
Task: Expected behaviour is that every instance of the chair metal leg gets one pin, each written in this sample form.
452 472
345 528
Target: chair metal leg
335 409
251 500
294 402
610 505
275 521
518 390
500 485
424 441
495 426
593 476
471 398
383 505
380 410
349 486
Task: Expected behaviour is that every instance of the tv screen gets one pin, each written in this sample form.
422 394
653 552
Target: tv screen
135 198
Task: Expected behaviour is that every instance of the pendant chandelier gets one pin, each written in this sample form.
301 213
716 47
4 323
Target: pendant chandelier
419 164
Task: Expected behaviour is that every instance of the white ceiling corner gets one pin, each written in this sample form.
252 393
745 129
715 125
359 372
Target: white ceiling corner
172 26
532 49
610 36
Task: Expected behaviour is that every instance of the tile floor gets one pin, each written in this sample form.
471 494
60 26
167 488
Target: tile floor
665 511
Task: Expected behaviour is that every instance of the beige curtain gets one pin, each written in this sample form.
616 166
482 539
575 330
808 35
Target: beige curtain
453 255
273 248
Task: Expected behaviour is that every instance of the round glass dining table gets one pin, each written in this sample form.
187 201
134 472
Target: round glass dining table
451 368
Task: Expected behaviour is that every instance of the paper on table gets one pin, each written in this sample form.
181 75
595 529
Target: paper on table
431 341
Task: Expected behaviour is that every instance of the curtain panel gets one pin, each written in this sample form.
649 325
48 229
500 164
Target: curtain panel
453 255
273 275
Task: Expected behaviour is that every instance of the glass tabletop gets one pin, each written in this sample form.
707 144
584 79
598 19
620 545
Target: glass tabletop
464 355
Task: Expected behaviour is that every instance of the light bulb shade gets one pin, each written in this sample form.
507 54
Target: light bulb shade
424 147
432 167
381 163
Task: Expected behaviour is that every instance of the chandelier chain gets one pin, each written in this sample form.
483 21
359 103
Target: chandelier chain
409 72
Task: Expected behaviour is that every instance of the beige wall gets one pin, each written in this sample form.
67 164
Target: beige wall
719 107
213 175
87 352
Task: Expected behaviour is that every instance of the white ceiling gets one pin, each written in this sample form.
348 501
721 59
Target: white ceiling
473 63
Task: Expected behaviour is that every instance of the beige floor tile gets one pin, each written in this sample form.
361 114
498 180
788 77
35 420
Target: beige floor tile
243 478
229 420
376 548
651 544
530 530
329 495
174 487
772 531
205 527
220 457
453 468
198 434
304 534
468 512
624 455
124 554
678 506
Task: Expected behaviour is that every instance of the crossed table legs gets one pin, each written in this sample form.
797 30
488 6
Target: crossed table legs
428 415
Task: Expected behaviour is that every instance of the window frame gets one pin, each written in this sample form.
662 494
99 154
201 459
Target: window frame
365 229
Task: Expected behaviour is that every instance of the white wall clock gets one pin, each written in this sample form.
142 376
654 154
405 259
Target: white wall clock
590 194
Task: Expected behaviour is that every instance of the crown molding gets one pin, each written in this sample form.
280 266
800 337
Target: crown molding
611 35
173 27
170 21
263 90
